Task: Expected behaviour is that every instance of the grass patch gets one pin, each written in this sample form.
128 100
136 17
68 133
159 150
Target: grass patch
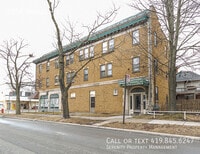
170 129
55 118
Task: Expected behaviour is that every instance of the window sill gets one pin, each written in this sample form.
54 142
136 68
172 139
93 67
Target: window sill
102 77
136 44
110 51
135 71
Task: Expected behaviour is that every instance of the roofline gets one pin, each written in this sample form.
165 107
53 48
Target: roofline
118 27
190 79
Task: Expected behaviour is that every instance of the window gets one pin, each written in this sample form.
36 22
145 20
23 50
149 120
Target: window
56 63
73 95
156 93
27 94
86 74
136 64
105 44
54 101
103 71
155 39
47 82
106 70
69 77
108 46
156 65
136 37
47 66
44 101
111 45
86 51
69 59
81 56
109 70
115 92
40 68
92 51
56 80
40 84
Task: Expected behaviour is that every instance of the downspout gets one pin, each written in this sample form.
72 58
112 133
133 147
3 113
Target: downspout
150 62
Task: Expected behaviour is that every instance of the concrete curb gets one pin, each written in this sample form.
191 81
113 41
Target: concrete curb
112 128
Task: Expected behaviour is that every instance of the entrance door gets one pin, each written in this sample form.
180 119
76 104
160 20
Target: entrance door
137 102
92 101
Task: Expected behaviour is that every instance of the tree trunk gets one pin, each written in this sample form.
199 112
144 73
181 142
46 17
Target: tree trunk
63 89
18 105
172 82
64 100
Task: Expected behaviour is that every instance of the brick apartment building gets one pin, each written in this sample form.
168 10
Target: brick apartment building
135 46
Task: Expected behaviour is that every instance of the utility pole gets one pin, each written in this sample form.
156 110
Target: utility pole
126 79
124 99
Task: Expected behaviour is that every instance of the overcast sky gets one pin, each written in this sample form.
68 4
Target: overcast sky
30 20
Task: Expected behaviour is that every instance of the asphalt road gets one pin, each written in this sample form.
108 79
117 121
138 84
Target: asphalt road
28 137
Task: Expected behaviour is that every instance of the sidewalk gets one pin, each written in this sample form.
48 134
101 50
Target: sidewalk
130 119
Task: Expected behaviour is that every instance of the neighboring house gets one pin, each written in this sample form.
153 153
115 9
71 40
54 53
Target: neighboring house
28 100
188 85
135 46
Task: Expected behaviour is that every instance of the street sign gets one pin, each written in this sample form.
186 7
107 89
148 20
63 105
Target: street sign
128 78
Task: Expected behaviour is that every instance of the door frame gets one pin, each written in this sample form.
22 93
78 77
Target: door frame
132 102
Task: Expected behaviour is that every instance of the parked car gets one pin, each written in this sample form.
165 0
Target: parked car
1 108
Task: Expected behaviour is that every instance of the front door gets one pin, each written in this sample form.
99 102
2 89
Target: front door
137 102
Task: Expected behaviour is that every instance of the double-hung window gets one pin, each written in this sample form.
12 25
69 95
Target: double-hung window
56 80
156 66
47 82
39 83
108 46
136 64
109 69
92 51
40 68
105 47
85 71
56 63
81 56
70 77
136 37
111 45
69 59
106 70
156 93
103 71
47 66
86 52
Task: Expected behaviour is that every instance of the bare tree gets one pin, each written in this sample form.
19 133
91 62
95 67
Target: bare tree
17 66
180 21
71 38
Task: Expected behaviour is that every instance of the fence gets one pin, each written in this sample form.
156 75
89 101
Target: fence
178 115
188 105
